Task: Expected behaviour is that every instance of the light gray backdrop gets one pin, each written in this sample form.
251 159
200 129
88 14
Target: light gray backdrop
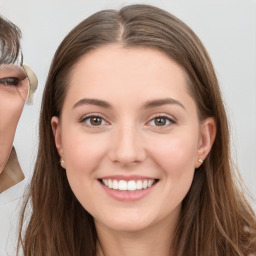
228 30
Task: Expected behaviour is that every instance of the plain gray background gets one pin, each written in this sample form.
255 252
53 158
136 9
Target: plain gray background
227 29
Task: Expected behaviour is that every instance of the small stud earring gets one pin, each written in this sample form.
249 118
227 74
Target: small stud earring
200 160
62 163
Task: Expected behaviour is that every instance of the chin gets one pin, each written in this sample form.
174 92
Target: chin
130 222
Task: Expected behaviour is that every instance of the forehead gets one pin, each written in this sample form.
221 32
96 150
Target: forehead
127 77
123 76
114 62
126 70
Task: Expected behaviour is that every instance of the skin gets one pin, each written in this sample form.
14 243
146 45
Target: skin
13 95
129 142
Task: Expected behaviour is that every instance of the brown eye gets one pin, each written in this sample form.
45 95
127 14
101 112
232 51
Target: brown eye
11 81
95 120
160 121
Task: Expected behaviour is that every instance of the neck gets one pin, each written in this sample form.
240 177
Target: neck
156 240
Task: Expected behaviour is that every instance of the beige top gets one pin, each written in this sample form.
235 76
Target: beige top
12 173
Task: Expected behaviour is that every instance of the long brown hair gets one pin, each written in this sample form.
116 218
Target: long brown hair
215 218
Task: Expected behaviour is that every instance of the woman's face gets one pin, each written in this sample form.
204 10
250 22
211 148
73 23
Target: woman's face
130 137
14 88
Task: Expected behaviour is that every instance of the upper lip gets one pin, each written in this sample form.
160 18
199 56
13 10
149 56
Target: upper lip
128 177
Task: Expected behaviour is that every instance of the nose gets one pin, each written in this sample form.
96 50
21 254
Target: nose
127 146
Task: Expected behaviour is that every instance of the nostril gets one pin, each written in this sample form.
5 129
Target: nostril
127 155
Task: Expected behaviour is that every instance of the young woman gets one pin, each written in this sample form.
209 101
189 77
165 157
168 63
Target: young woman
134 154
16 81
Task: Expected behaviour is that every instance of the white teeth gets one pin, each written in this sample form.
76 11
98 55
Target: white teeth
110 185
145 184
150 182
130 185
122 185
139 184
115 184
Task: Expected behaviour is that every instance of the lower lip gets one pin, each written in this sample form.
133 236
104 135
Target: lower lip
127 195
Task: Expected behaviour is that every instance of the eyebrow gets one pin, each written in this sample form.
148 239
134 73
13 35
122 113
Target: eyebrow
12 67
95 102
148 104
161 102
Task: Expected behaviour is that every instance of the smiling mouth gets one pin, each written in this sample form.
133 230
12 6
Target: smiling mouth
131 185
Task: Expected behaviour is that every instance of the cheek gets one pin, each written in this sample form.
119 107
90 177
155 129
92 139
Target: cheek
175 150
82 153
10 112
176 156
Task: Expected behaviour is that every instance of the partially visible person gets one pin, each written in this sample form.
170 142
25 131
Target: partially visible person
15 88
134 155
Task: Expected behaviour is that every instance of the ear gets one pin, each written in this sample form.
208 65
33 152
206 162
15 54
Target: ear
56 129
207 137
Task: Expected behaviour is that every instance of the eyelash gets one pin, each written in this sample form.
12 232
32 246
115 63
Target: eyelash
166 118
167 121
89 117
10 81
